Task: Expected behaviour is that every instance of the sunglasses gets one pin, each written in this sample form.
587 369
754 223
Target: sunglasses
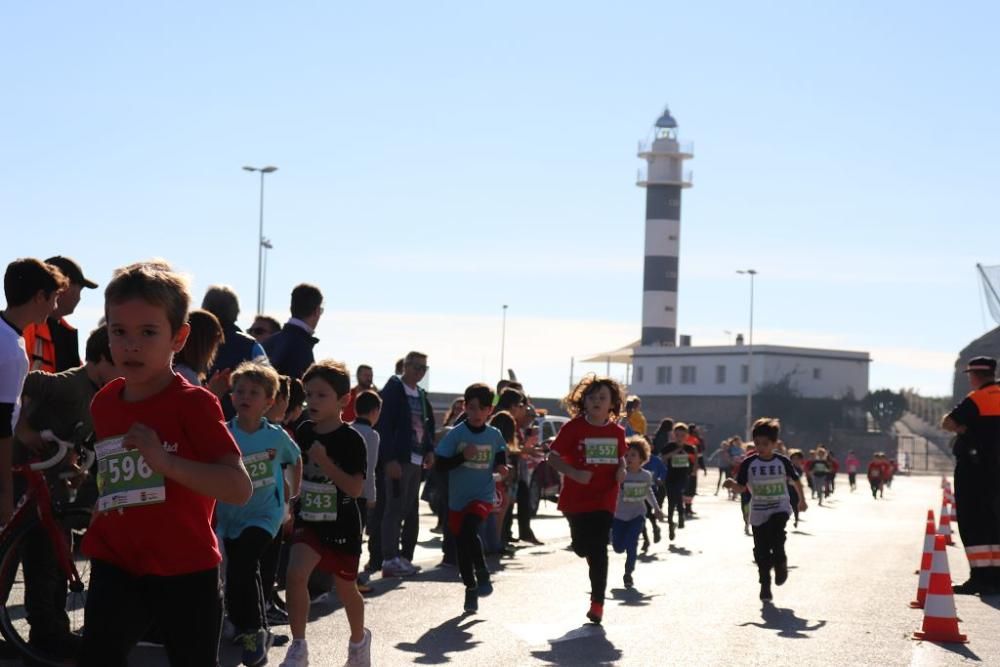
258 331
419 367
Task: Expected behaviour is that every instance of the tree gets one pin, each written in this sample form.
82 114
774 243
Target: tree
885 406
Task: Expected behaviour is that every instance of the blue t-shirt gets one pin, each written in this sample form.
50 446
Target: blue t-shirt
473 480
264 452
656 466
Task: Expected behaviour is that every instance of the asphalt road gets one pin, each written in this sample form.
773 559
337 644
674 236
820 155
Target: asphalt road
695 602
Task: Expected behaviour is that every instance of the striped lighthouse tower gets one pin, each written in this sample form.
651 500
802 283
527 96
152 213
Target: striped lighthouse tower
664 178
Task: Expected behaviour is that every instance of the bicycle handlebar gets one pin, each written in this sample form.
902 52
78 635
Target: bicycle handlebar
63 449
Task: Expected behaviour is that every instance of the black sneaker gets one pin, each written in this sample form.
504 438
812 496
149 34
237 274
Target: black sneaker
657 536
645 547
672 533
627 580
970 587
471 600
780 573
765 593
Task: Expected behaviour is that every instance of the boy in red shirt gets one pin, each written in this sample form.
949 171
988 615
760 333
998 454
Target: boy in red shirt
590 453
164 457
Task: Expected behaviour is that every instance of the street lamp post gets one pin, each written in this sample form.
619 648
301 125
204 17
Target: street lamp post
503 339
260 235
751 273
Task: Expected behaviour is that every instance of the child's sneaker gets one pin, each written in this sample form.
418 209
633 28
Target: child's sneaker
297 655
672 532
627 580
471 600
485 588
255 645
780 573
276 615
360 655
765 592
596 612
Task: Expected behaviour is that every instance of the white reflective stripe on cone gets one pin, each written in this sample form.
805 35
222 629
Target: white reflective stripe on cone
940 606
940 563
924 580
929 543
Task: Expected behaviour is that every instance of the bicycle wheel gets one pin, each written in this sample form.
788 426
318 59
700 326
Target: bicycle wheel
13 617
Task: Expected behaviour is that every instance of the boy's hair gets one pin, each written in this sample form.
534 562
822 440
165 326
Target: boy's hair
509 398
98 346
274 324
156 283
412 356
589 384
260 374
306 299
221 301
334 373
366 402
681 426
480 392
638 443
501 385
766 427
632 402
283 383
202 343
667 424
296 395
27 277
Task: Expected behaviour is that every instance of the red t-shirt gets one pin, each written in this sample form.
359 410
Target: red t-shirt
174 536
348 414
606 445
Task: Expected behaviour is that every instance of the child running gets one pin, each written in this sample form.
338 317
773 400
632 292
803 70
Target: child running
680 458
164 457
589 451
767 476
329 532
472 453
853 464
630 515
248 531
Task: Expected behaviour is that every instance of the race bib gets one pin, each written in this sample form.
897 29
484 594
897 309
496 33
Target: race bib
680 461
600 451
483 458
416 459
260 467
319 502
124 479
768 490
634 492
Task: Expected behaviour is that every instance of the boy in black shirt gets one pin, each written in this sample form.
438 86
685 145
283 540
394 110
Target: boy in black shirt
680 459
328 536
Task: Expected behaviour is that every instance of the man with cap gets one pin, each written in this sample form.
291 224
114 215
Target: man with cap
976 421
54 345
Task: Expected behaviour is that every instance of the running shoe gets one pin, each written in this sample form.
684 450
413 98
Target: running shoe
627 580
276 615
361 654
765 593
485 588
780 573
409 565
397 567
297 655
672 532
471 600
255 645
596 613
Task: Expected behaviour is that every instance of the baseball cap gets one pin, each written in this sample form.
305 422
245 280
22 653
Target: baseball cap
988 364
71 270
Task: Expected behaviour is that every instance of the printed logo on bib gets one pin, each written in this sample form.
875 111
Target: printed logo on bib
124 479
260 467
600 451
319 502
635 492
483 458
768 489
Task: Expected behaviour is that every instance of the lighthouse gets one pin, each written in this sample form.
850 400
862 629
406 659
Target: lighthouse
663 179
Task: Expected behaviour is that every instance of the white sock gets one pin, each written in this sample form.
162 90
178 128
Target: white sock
356 644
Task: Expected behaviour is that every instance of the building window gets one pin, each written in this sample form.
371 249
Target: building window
670 374
744 374
817 374
638 374
720 375
688 375
661 375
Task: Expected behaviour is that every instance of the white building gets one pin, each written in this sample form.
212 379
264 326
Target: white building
724 371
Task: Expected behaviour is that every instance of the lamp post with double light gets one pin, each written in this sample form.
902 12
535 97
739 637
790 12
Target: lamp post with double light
261 241
751 273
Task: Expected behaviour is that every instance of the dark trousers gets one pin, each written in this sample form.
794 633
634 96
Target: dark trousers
448 539
589 532
524 531
245 601
122 607
375 523
852 479
269 564
769 545
675 501
44 588
400 521
977 507
469 548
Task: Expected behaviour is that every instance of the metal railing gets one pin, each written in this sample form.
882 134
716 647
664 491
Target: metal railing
642 176
686 147
916 453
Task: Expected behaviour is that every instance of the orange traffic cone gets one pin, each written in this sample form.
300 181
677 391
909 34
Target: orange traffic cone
944 481
940 620
925 563
944 527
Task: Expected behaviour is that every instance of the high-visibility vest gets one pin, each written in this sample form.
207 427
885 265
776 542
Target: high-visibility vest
41 350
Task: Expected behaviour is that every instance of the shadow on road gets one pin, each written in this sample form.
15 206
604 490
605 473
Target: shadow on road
630 597
452 636
801 532
785 622
680 551
587 645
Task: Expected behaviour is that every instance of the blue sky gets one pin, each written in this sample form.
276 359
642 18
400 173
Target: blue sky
439 161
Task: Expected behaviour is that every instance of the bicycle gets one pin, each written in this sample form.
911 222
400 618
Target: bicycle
63 525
